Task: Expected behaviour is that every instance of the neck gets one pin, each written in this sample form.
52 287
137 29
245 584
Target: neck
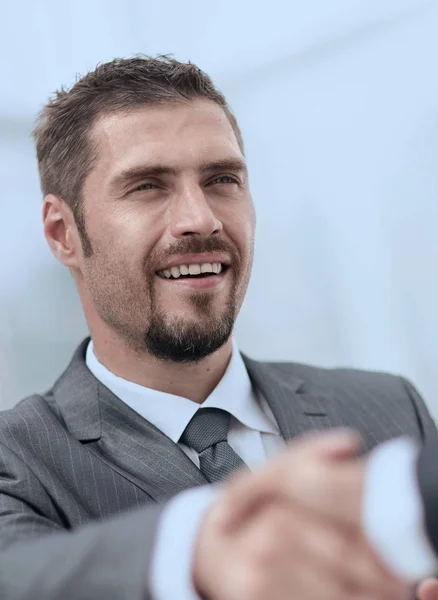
194 381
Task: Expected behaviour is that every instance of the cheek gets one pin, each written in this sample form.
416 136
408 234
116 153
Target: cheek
114 264
127 237
243 231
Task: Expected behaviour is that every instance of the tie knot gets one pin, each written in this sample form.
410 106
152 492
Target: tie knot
208 427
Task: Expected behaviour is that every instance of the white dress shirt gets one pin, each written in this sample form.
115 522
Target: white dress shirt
253 434
255 437
393 512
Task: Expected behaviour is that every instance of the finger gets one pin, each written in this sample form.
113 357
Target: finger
338 443
306 582
278 479
428 590
335 493
346 557
303 577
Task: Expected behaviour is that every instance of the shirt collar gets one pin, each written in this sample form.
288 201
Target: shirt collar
171 414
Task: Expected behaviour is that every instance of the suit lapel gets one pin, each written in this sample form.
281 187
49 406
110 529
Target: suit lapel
120 437
298 406
141 453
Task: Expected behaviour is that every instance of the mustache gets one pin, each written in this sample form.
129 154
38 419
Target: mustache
198 245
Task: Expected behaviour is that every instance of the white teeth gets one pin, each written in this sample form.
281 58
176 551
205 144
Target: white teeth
175 272
194 269
207 268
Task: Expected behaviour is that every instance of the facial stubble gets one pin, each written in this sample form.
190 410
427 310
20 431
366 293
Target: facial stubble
145 326
189 340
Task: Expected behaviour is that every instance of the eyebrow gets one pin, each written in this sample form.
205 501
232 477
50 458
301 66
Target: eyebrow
228 164
129 176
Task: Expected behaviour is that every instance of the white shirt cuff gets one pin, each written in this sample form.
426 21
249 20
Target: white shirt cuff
172 562
393 513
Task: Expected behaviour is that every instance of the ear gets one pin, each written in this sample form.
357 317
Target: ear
61 232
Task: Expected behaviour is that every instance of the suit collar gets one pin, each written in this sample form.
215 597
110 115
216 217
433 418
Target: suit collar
143 454
77 394
171 413
298 405
119 436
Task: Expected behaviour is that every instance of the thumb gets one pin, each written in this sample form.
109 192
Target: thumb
247 493
336 444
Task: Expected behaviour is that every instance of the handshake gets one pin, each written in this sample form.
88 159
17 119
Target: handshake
294 531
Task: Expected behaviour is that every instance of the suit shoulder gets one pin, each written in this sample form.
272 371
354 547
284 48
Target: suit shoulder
356 381
327 373
380 405
27 419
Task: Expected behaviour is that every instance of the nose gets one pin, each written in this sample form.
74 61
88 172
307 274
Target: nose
191 214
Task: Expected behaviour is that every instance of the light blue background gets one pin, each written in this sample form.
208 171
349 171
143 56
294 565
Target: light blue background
338 102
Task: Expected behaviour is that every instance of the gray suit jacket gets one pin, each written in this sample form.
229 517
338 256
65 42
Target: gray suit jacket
83 477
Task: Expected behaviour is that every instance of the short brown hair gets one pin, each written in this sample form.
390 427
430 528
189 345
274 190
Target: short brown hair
64 150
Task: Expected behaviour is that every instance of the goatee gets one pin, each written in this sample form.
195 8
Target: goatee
178 341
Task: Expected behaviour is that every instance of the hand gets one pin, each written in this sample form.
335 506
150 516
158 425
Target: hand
428 590
301 474
285 547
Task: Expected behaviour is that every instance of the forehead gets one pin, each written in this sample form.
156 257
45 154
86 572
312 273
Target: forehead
175 134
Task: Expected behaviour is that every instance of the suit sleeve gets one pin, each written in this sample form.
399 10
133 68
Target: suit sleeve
427 474
41 560
392 511
426 424
427 466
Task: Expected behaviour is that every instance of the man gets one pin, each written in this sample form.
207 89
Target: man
147 203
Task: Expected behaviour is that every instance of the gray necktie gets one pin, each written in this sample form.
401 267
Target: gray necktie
207 434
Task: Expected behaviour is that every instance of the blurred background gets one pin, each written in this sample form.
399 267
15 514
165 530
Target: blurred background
338 103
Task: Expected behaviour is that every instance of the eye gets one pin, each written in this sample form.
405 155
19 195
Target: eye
224 179
144 186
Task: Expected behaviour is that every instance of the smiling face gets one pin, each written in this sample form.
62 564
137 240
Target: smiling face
169 215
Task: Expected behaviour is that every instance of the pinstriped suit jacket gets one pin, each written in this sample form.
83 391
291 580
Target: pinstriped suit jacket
83 477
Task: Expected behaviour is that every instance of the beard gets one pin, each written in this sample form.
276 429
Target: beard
184 341
136 314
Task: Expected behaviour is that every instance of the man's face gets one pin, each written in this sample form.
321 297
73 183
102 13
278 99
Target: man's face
171 222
